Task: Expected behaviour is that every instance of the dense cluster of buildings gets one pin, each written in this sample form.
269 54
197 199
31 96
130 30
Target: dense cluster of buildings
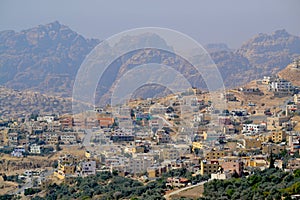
36 136
70 166
150 137
142 142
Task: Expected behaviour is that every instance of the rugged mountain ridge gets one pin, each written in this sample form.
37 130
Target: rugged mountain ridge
271 53
46 59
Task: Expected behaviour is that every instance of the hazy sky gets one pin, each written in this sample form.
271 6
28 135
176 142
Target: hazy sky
228 21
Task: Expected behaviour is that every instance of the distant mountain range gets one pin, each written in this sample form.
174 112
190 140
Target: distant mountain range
46 59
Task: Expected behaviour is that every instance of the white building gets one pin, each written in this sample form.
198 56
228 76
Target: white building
68 138
18 151
35 149
46 118
169 154
125 122
280 85
114 161
220 176
268 79
198 117
140 164
156 122
88 168
253 128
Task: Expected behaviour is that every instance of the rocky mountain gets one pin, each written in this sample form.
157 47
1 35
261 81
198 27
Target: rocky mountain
216 47
46 59
261 55
271 53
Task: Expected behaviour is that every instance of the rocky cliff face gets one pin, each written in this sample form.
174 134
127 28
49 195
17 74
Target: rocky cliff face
46 59
261 55
271 53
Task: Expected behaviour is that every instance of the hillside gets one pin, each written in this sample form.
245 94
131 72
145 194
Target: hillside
291 74
15 103
46 59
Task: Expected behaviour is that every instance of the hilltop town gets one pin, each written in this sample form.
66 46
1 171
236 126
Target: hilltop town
178 141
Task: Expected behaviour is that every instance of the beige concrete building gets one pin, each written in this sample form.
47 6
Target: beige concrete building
278 136
275 123
274 148
214 155
209 167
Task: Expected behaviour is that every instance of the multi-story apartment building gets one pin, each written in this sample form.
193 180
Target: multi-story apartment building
162 137
68 137
52 138
87 167
275 123
140 164
280 85
278 136
66 167
214 155
209 167
169 154
233 167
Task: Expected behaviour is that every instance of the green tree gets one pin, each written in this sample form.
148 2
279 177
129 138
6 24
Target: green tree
272 161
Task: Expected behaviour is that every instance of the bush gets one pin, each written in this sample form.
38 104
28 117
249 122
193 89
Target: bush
6 197
31 191
267 184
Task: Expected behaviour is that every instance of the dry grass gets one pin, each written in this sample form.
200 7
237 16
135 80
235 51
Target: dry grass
7 186
297 127
193 193
291 74
73 150
9 168
266 101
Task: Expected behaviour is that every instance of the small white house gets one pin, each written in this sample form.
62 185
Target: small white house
253 128
35 149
